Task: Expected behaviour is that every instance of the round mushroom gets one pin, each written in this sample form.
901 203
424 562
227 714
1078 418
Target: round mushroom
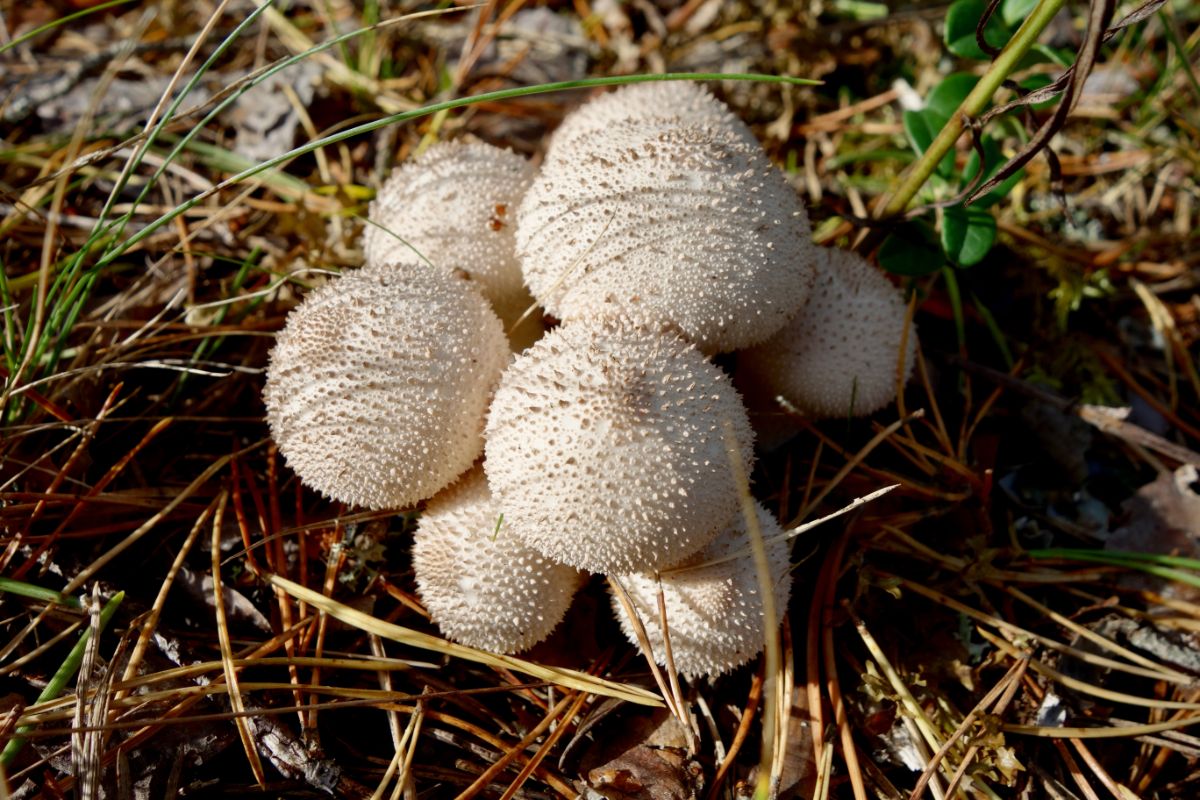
689 221
456 205
482 586
378 384
606 446
713 601
841 355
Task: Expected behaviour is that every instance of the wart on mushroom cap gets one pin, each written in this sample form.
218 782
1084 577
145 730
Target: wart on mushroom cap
714 611
456 205
379 383
690 221
606 446
482 586
839 356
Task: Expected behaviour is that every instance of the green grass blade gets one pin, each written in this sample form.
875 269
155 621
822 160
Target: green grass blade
405 116
1174 568
23 589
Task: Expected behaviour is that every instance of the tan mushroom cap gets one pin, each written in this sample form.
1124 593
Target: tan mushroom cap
714 611
686 102
379 383
840 355
691 222
456 205
606 446
482 586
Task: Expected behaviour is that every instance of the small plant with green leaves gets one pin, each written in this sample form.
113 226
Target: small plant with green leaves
956 226
957 200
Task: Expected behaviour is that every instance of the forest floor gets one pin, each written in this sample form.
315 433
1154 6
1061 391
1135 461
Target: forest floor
1025 605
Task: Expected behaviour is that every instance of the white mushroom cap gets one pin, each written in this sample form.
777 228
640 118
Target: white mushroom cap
456 205
606 446
714 611
379 383
839 356
692 222
481 585
686 102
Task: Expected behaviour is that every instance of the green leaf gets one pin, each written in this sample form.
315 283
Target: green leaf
1041 54
911 250
948 95
967 234
961 20
1061 56
922 127
1014 12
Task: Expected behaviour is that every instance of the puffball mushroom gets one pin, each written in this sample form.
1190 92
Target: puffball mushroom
482 586
606 446
378 384
685 101
841 355
456 205
714 611
689 221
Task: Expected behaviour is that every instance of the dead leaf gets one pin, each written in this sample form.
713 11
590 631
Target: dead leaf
1163 517
647 760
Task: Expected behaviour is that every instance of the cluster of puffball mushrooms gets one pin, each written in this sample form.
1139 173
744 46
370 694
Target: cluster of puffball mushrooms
658 234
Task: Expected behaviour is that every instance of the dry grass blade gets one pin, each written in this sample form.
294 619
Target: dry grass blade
1092 636
401 755
915 716
1103 731
231 677
774 728
1016 632
832 683
854 461
1088 688
639 629
544 750
151 620
749 709
569 678
677 700
489 775
101 561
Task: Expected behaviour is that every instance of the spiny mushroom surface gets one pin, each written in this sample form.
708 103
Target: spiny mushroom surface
456 205
690 221
714 611
840 355
606 446
379 382
482 586
686 102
